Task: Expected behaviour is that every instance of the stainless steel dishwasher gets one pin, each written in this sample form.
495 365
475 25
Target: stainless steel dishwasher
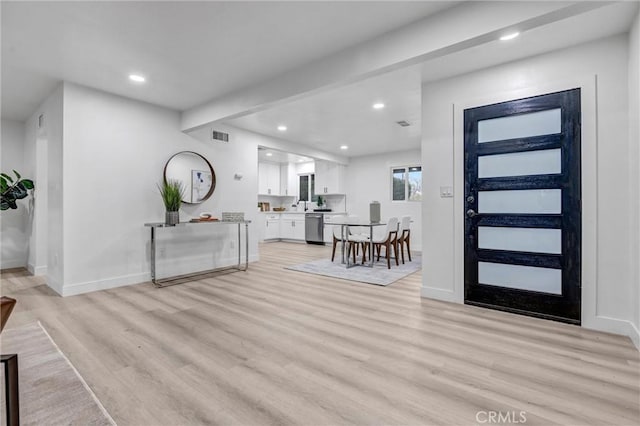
314 228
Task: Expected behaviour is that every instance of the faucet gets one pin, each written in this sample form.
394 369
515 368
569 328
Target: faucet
305 204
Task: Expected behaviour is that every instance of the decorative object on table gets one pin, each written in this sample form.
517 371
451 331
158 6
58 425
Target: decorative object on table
232 216
194 172
200 219
13 190
320 201
204 217
374 212
172 191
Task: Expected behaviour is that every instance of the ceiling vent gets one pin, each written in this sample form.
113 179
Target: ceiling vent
219 136
403 123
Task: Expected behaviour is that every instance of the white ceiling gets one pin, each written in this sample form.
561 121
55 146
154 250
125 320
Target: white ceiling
190 52
344 115
276 156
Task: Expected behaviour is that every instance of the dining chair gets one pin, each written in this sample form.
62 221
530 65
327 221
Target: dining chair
389 240
337 238
405 237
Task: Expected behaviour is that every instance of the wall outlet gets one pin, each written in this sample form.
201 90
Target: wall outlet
162 251
232 244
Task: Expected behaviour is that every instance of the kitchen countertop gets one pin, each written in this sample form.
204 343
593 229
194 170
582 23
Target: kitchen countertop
297 212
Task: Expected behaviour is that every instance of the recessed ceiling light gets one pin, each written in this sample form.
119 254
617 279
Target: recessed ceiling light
137 78
269 154
344 147
282 128
378 105
509 36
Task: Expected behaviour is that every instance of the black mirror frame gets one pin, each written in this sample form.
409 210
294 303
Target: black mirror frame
213 174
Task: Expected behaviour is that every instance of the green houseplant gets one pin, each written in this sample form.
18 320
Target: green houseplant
12 190
171 192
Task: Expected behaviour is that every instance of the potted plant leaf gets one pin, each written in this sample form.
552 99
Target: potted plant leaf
12 190
171 192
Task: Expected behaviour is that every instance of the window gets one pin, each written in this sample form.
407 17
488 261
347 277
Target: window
307 188
406 183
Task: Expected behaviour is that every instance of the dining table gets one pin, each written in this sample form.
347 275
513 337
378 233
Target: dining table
345 223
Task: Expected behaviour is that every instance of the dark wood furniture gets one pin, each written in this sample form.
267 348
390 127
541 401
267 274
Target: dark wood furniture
10 363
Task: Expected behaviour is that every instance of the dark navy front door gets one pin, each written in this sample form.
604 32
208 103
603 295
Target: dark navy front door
522 206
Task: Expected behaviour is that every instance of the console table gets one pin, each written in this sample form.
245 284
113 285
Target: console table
164 282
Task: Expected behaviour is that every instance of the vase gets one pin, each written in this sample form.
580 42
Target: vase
172 218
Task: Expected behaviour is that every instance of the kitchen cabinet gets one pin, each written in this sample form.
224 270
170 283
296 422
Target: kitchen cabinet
272 227
292 227
329 177
283 226
288 180
268 179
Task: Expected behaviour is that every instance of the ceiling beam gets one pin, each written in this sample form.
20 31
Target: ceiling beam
467 25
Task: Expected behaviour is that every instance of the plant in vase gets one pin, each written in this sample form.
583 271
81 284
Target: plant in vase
171 192
13 190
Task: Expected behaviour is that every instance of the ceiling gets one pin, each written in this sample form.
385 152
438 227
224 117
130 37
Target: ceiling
190 52
344 116
276 156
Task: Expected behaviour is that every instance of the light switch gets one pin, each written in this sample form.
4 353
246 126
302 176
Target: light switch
446 192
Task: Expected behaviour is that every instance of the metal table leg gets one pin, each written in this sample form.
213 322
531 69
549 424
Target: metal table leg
246 246
371 246
342 243
153 254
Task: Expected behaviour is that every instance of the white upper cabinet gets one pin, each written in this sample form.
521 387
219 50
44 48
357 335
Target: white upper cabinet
329 177
268 179
288 180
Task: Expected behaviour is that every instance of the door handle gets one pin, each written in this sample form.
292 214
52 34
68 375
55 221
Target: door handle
471 213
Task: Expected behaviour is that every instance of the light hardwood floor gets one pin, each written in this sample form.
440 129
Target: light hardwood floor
274 346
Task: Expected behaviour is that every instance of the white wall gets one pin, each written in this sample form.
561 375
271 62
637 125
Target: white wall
368 179
115 150
13 223
607 288
43 162
634 164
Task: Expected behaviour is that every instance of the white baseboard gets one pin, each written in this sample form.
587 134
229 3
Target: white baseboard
105 284
600 323
54 285
90 286
615 326
37 270
13 263
438 294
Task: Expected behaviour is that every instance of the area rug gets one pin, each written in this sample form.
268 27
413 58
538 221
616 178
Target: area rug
52 392
378 275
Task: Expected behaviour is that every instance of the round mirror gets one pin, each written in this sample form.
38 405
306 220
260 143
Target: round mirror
195 173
